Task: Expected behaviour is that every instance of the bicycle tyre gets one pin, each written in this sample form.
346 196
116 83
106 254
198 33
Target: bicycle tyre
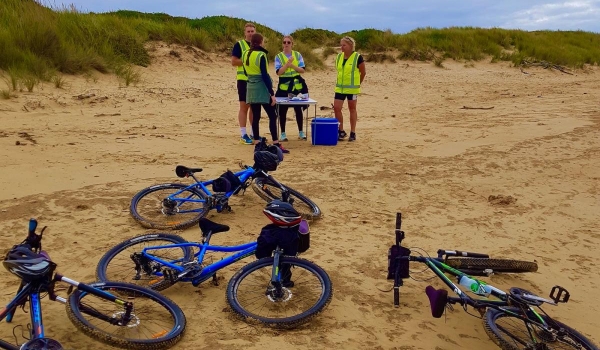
503 338
267 190
164 341
233 295
169 225
162 284
477 266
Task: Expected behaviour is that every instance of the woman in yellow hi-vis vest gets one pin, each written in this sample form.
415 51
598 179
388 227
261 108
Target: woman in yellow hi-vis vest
236 60
259 91
289 64
351 73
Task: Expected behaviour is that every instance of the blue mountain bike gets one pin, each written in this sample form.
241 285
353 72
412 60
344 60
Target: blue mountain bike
280 291
178 206
120 314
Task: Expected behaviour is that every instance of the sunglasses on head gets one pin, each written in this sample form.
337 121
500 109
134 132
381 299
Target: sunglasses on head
287 42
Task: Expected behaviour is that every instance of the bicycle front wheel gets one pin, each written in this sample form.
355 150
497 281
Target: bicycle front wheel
512 333
155 323
168 206
306 291
124 261
268 190
481 266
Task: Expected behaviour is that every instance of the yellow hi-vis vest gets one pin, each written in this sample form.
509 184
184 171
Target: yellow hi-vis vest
348 75
253 66
290 73
240 70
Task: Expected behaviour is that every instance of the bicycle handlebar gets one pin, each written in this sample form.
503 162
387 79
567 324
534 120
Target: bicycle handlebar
34 240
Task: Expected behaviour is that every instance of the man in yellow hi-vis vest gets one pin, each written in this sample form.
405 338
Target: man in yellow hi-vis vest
351 73
236 60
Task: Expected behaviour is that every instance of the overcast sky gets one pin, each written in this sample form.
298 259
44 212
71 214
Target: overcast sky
400 16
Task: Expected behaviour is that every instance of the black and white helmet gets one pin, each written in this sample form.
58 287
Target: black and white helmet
282 213
27 264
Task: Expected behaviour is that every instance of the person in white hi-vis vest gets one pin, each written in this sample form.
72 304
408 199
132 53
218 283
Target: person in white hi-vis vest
351 73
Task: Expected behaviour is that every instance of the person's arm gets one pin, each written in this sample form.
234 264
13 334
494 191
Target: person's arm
236 55
362 69
301 67
265 75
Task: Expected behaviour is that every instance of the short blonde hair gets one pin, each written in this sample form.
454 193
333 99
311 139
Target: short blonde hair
249 25
289 37
350 41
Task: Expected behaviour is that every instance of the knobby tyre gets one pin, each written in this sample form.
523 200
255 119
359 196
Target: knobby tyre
268 190
147 207
477 266
157 322
249 297
511 333
118 265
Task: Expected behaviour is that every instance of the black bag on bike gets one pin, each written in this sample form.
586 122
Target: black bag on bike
395 252
226 182
272 236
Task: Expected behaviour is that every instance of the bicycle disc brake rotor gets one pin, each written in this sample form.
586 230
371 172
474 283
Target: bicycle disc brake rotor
521 296
134 321
276 297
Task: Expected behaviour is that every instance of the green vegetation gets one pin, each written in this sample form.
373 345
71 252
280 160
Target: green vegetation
36 41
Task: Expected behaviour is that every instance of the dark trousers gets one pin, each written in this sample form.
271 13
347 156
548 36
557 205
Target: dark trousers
270 110
283 113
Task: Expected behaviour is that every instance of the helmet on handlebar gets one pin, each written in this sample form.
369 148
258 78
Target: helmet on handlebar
282 213
27 264
266 160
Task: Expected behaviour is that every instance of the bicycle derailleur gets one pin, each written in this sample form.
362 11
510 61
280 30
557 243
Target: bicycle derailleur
220 202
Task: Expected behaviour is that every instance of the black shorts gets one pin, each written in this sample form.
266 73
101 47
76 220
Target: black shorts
241 88
342 97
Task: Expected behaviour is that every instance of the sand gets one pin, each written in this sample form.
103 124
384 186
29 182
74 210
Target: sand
532 134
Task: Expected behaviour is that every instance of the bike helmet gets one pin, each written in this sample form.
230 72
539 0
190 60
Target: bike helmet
282 213
266 160
276 151
26 264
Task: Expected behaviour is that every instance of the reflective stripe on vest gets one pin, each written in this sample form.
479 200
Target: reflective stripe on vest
348 77
240 70
253 66
290 73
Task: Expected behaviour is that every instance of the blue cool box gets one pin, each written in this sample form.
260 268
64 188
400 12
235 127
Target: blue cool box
324 131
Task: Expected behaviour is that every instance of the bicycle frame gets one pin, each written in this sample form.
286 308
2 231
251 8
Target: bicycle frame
243 251
31 291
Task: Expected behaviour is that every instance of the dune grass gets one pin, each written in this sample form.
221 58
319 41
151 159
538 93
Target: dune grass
36 40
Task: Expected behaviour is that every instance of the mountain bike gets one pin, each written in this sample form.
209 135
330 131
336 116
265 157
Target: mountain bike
120 314
262 290
513 320
178 206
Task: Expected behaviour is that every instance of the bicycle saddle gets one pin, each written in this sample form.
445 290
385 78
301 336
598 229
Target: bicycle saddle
183 171
207 226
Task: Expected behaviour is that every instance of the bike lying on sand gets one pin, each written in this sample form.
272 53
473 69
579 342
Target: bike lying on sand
120 314
513 320
261 291
178 206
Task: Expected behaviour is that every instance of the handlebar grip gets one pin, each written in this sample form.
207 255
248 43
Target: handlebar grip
396 296
32 225
398 220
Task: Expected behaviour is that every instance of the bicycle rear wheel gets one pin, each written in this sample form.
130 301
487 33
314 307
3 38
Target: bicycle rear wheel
119 263
249 292
148 207
268 190
478 266
512 333
157 322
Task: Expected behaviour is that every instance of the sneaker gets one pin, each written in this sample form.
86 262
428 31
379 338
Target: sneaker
283 150
246 140
283 137
302 135
352 137
341 135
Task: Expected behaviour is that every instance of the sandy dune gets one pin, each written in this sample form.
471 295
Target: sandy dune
79 162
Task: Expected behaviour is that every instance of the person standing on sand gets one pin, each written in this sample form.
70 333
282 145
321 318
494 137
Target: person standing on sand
351 73
236 60
289 64
260 88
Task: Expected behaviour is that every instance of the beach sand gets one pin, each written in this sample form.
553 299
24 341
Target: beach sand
74 164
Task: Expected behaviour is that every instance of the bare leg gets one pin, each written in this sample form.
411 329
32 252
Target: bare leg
337 110
353 115
242 114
